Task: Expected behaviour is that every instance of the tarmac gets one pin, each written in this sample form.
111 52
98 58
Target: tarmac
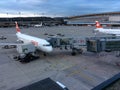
80 72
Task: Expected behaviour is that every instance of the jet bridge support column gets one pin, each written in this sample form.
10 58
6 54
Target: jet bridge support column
117 53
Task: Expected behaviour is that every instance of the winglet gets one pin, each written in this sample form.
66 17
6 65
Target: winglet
17 28
98 25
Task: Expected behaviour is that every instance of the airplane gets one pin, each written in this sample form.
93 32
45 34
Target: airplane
38 25
40 44
99 28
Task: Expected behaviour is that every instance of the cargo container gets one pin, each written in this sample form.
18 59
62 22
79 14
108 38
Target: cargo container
26 48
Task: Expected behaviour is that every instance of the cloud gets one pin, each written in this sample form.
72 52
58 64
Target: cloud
31 2
59 7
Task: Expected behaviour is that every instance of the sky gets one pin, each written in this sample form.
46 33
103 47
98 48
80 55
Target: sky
55 8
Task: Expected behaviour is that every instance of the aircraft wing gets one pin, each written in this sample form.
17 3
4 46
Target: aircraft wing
118 35
9 44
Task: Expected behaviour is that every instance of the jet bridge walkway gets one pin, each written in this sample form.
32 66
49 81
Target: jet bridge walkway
75 44
99 44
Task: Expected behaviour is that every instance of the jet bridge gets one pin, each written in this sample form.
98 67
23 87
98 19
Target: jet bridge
99 44
75 44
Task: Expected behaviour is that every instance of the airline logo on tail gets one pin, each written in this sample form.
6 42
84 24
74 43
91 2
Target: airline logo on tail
98 25
17 28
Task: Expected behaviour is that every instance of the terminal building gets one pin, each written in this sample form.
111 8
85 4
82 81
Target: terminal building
112 18
108 18
30 21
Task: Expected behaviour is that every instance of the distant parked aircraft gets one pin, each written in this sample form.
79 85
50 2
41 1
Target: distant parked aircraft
38 25
99 28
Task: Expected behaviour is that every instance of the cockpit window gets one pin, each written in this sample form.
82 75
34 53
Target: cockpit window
46 45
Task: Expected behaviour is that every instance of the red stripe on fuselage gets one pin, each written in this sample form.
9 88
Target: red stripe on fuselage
34 42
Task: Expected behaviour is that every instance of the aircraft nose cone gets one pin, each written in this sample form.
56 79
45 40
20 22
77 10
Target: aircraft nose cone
50 49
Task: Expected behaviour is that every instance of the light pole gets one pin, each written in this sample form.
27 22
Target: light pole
19 14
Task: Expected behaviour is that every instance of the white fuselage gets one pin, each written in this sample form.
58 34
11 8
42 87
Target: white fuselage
109 31
38 25
40 44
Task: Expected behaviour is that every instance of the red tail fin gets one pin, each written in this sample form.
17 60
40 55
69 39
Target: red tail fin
98 25
17 28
